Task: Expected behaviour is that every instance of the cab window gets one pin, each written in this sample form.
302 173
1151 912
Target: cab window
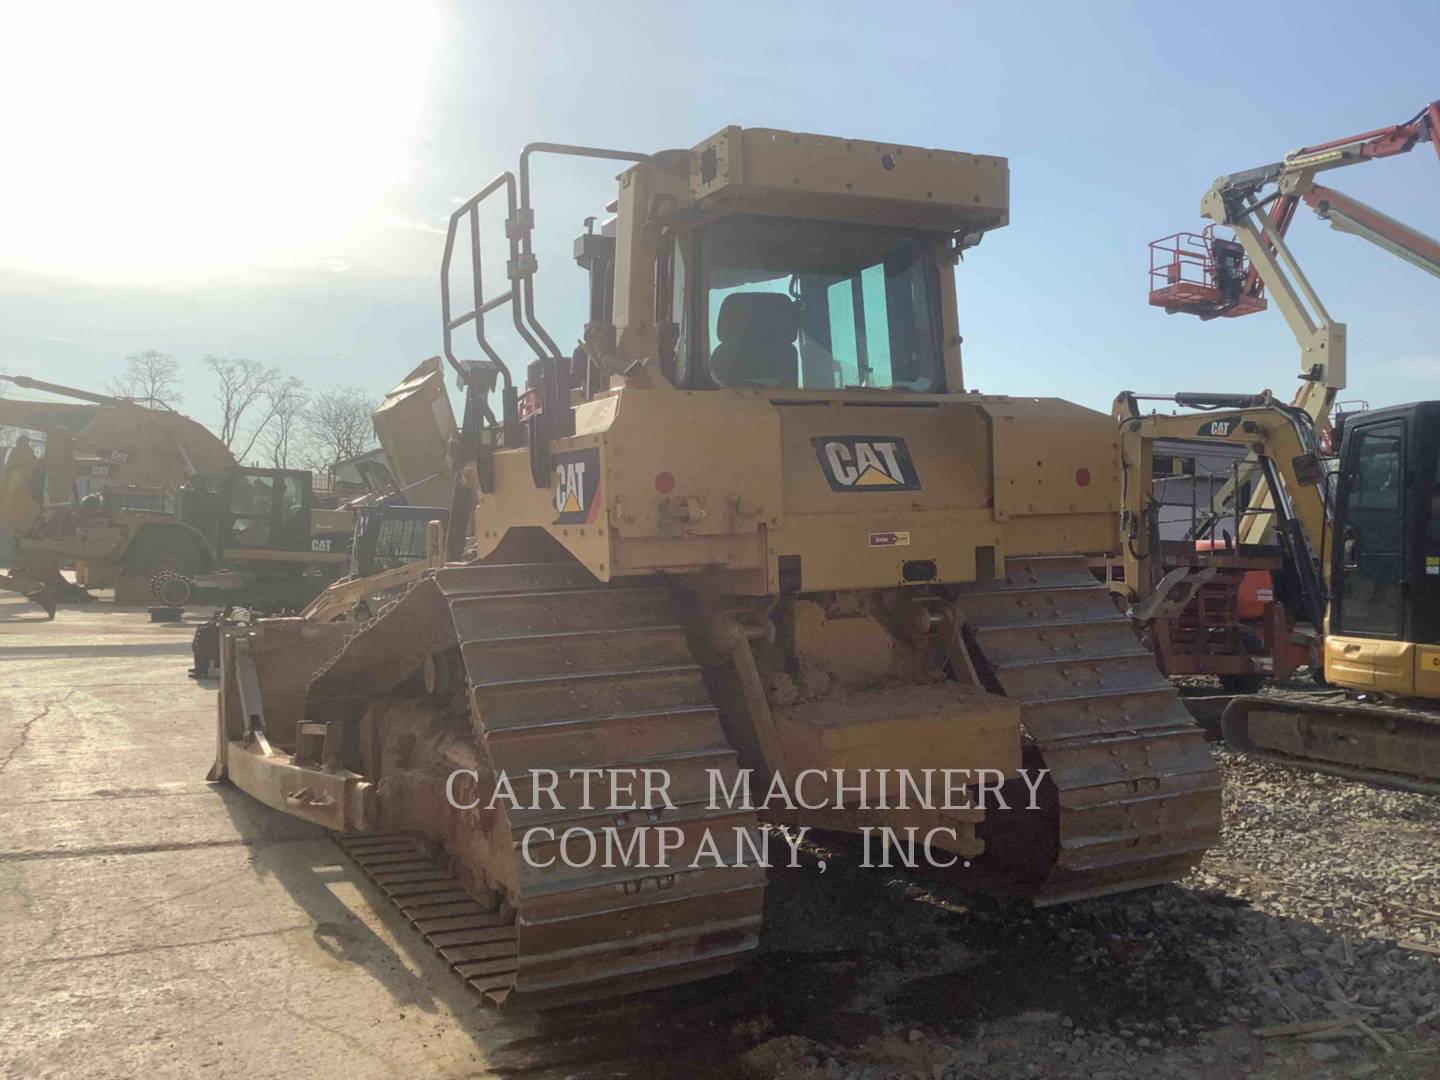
815 305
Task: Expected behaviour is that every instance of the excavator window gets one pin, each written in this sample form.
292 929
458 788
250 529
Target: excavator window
293 514
252 504
817 305
1372 533
268 510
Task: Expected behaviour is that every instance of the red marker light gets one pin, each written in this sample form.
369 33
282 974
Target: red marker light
664 483
1082 477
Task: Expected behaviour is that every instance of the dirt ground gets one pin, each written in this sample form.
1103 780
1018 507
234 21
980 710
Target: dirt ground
156 925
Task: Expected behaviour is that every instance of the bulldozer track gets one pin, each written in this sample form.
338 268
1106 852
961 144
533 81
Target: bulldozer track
1326 732
562 672
1136 798
477 941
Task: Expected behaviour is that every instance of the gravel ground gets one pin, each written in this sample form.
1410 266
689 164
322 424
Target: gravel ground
1307 945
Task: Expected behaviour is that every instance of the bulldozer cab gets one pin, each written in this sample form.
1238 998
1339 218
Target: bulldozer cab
263 510
767 276
816 305
758 259
1385 570
760 303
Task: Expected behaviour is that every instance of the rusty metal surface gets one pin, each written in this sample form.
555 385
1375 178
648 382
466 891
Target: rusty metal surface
1385 743
1136 797
562 672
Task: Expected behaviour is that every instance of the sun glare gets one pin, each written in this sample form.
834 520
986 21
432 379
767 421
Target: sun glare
156 141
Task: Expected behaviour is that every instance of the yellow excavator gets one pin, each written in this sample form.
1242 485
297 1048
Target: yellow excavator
1211 603
1360 558
1373 536
754 527
151 503
1382 631
106 467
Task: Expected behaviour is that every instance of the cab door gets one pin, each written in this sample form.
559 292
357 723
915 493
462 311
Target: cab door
1371 569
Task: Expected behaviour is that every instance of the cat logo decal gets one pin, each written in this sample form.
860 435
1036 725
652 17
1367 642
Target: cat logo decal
866 463
577 486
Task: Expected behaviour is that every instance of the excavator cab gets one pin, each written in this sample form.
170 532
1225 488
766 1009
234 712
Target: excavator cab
263 509
1383 623
1385 564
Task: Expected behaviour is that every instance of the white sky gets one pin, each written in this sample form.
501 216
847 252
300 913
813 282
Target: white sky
169 142
270 180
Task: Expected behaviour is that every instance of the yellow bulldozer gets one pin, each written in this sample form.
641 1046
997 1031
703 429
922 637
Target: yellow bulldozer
752 531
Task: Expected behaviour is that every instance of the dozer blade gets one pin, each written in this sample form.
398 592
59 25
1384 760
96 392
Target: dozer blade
559 672
1133 795
1386 744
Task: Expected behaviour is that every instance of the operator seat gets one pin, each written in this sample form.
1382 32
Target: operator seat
755 344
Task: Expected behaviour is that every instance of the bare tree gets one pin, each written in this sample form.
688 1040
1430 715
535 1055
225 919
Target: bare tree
242 388
286 404
338 426
150 377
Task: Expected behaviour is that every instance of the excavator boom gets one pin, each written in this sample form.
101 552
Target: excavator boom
27 383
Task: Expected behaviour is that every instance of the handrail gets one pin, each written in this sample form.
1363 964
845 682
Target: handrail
525 224
451 323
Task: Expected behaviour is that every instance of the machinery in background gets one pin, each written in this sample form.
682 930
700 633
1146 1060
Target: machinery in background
755 522
394 542
1205 275
247 536
1209 604
1202 274
416 428
149 502
1382 641
1381 565
394 545
104 466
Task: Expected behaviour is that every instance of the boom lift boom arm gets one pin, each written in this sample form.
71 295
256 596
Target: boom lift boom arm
1260 223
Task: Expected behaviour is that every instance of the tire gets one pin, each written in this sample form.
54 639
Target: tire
172 588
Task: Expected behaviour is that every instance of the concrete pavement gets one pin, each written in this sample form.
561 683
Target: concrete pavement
156 925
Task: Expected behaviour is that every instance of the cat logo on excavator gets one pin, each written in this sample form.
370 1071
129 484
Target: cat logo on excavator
866 463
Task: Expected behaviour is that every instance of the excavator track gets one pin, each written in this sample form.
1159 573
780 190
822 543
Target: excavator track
1136 795
562 672
1384 743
